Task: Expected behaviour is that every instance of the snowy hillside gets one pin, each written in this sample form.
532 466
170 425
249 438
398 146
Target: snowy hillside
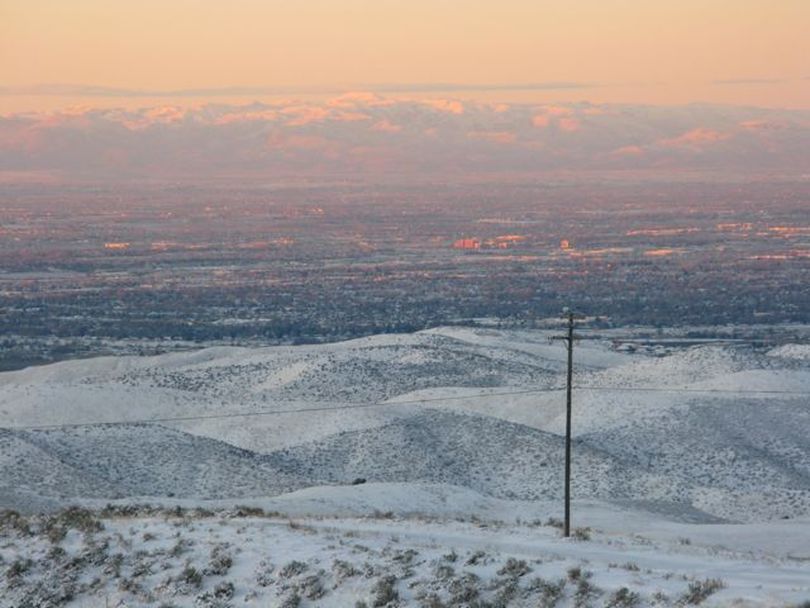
135 460
651 425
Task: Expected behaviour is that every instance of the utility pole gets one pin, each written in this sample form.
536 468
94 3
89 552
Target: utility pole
569 343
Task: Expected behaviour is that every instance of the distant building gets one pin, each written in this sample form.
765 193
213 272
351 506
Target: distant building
116 246
504 241
467 244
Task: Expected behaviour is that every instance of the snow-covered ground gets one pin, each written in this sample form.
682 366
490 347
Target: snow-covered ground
690 462
294 550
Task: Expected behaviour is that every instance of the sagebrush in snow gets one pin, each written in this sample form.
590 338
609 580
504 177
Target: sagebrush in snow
700 590
623 598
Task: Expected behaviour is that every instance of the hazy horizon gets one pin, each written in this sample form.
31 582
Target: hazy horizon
373 137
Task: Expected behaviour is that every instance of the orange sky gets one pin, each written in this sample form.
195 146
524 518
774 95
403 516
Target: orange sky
636 51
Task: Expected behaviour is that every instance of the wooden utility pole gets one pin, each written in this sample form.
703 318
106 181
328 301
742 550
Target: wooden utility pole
569 343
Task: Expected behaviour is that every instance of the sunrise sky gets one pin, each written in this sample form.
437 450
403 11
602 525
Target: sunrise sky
132 53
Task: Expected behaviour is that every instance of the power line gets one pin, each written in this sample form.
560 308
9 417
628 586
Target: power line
348 406
352 406
657 389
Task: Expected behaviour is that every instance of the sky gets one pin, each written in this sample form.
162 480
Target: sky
136 53
109 89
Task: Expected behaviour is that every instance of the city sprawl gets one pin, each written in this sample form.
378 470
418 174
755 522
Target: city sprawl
84 267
